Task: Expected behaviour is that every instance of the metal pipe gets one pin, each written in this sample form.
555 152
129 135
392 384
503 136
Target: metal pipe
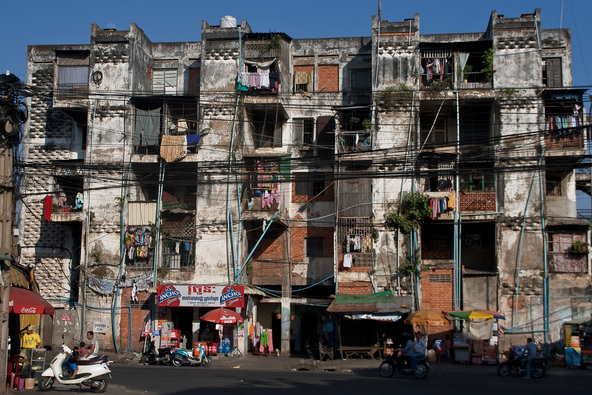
257 244
545 270
121 241
517 292
88 217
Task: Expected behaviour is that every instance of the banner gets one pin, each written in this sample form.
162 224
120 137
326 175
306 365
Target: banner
201 295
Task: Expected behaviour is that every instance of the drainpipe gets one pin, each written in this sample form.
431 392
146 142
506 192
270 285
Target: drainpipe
407 148
122 247
457 216
87 228
229 229
545 270
337 201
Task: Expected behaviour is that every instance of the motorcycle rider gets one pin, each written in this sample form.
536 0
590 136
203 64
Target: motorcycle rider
92 352
409 350
530 355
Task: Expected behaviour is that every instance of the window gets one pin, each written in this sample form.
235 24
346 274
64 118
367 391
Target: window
73 72
360 79
438 134
303 78
304 131
554 181
309 184
440 278
552 72
164 81
563 257
266 127
315 247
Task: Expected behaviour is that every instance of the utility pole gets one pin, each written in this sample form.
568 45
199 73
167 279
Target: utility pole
13 113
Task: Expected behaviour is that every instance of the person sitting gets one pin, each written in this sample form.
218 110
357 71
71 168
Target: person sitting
83 350
71 362
91 353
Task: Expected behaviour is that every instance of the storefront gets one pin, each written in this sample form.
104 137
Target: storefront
577 338
180 308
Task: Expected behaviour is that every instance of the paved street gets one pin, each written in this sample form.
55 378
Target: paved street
273 375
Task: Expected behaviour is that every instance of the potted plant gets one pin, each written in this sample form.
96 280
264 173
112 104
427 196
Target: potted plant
366 124
278 313
579 246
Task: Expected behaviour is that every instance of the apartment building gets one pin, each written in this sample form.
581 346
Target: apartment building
162 178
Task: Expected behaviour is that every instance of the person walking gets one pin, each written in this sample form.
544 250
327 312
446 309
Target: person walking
530 355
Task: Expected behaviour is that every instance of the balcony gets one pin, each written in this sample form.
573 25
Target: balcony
472 80
72 91
355 141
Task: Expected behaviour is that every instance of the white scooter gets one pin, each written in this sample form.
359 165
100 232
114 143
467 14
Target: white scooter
92 373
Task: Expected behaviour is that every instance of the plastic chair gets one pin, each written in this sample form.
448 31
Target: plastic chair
12 372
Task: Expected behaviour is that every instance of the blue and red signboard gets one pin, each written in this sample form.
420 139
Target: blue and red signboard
201 295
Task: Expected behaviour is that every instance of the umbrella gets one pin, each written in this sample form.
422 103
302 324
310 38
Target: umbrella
426 317
222 315
23 301
472 314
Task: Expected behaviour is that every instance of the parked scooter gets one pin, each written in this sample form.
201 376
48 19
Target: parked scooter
152 356
516 364
183 357
394 364
93 373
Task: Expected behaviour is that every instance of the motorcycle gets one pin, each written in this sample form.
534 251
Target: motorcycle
152 356
93 373
394 364
183 357
516 364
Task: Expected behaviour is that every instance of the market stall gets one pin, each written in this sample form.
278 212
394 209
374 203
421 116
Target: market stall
479 339
577 337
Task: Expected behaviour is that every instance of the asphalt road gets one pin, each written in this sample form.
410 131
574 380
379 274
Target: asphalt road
149 380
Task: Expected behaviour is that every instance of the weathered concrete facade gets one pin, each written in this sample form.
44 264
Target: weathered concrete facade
272 162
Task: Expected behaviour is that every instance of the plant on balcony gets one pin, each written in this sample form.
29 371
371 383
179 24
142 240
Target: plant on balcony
415 210
411 265
579 246
367 124
487 62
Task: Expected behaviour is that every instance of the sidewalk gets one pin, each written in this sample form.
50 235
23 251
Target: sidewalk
359 365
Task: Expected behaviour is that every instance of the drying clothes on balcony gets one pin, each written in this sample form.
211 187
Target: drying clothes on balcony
348 260
302 77
440 205
173 148
563 126
266 80
192 139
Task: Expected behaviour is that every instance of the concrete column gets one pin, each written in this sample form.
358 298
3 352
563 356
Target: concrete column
285 306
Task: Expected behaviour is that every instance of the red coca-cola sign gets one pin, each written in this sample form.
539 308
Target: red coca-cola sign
28 310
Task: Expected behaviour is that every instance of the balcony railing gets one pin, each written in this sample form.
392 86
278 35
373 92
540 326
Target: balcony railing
472 80
72 91
355 141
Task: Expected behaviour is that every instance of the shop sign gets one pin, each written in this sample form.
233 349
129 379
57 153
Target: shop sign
100 327
66 317
201 295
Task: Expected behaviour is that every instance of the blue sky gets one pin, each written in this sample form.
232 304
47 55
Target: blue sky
37 22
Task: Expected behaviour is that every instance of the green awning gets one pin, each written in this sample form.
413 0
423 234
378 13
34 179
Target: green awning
378 297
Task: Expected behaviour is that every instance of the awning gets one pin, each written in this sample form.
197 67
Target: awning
379 303
23 301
